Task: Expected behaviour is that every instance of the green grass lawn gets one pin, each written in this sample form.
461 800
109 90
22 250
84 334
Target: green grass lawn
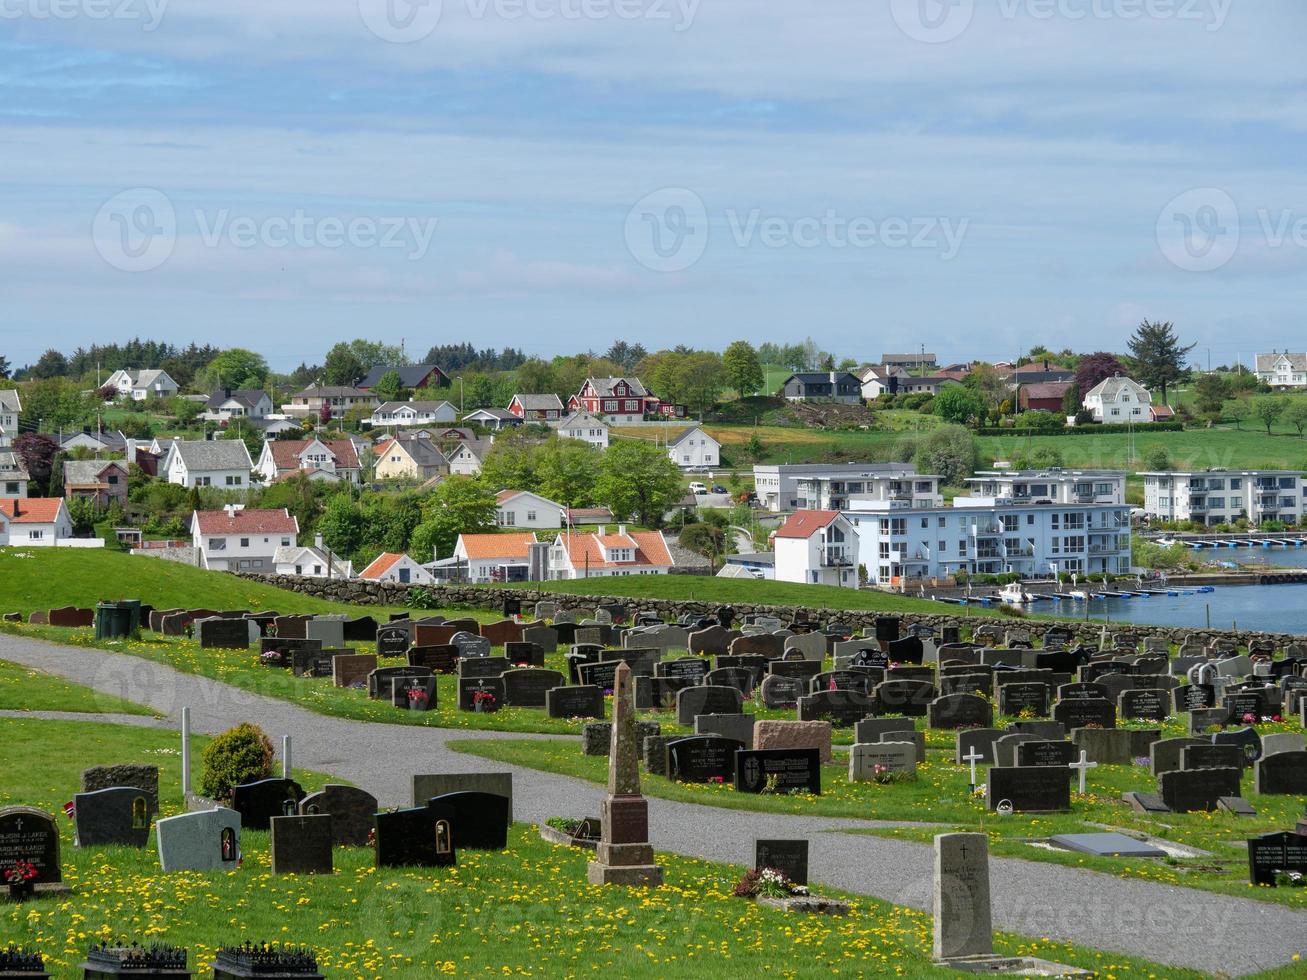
524 911
940 796
24 689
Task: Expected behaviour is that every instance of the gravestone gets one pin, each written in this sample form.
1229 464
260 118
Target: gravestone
738 727
865 759
278 651
1246 738
71 617
1189 697
142 777
483 666
352 670
1270 854
1277 742
956 711
545 637
301 845
811 645
739 678
392 640
470 646
330 630
904 697
1109 844
693 668
1106 746
119 815
1028 789
1187 790
497 634
842 708
882 729
1281 774
979 740
575 701
772 734
522 654
790 857
601 673
260 801
1146 705
842 680
702 759
1030 697
909 650
480 694
352 810
966 684
962 920
203 840
427 786
29 834
1040 752
1005 747
705 700
784 769
414 693
439 659
526 687
381 679
481 820
781 692
659 693
417 837
653 750
1085 712
1164 754
1204 755
225 634
362 629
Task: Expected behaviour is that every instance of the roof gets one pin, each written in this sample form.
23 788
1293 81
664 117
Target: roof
475 447
332 391
588 515
539 403
382 564
821 377
481 547
10 400
144 378
246 521
417 406
249 397
422 451
105 439
582 420
806 523
1047 389
585 549
604 386
286 452
298 553
1110 388
81 472
10 463
1266 362
499 414
410 375
31 510
1163 412
932 379
676 440
214 454
925 358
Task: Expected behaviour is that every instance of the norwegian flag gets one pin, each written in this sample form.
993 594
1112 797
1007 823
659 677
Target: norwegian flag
70 810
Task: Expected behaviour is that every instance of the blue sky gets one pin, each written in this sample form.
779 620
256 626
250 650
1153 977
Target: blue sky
976 176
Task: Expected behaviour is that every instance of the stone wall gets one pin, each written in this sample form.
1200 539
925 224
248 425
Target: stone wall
356 592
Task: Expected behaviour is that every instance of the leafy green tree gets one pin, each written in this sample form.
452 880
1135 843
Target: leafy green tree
949 451
1159 356
511 462
1211 392
342 366
55 484
984 380
709 540
235 367
51 364
1071 401
56 403
1044 421
535 377
389 388
637 479
1268 409
742 368
1157 459
1238 411
342 524
959 405
459 505
4 368
1295 414
567 470
754 450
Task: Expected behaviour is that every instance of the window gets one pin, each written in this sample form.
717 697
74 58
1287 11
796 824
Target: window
941 522
35 535
202 481
245 563
1030 519
299 569
285 542
112 480
217 544
245 542
943 547
233 481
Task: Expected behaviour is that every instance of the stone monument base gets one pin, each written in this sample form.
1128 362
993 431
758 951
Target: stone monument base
1018 966
632 875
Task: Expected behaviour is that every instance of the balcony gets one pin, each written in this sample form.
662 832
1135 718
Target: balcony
1020 552
988 530
836 559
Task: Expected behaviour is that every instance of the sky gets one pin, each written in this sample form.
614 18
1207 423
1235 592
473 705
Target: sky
974 176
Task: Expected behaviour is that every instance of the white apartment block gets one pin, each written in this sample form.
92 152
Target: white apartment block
817 547
1056 486
1222 496
990 536
834 486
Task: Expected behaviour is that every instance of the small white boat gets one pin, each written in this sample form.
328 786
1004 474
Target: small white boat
1079 594
1013 593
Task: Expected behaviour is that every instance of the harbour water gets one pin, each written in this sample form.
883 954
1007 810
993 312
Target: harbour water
1272 608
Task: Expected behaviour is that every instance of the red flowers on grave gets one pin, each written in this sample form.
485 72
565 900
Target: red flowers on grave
484 701
20 872
717 780
416 697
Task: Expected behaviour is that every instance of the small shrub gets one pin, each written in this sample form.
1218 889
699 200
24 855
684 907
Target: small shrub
239 755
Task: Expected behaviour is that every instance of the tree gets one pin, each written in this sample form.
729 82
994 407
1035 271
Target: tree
324 414
55 484
342 525
1211 392
388 388
1268 409
1157 459
566 471
959 405
1071 401
705 539
949 451
1159 358
754 450
459 505
1043 421
986 383
4 368
637 479
742 368
627 355
342 366
535 377
235 367
1238 411
37 452
51 364
1295 414
1096 368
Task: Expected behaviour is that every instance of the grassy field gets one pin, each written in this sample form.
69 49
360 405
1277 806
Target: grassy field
46 578
524 911
940 795
24 689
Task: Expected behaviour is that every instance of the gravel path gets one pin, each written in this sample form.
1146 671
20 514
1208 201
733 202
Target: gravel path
1176 926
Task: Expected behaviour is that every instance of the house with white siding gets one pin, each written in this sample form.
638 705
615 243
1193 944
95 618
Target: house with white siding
236 539
11 406
140 385
222 463
585 427
523 509
1118 400
693 449
38 522
817 547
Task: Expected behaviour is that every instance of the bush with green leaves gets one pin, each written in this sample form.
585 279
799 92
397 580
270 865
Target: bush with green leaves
239 755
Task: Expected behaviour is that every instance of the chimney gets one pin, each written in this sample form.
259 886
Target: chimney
832 377
621 529
230 509
317 541
226 392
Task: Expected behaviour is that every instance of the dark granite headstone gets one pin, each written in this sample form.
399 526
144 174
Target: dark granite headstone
116 816
1146 705
258 802
1245 738
1031 697
706 700
790 769
223 634
1187 697
480 694
1272 854
1085 713
842 709
1184 790
301 844
1028 789
958 711
575 701
28 834
353 812
702 758
480 819
1208 756
903 697
1042 753
418 837
790 857
1282 773
526 687
392 640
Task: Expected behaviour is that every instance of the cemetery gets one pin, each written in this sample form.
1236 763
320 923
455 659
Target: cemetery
1187 770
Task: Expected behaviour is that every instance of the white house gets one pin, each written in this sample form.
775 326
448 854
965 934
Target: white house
879 379
390 566
13 475
311 561
602 554
1223 496
223 463
237 539
414 413
817 547
1057 486
465 458
830 486
586 427
493 419
693 449
248 403
11 406
327 458
1282 369
521 508
1118 400
492 557
39 522
140 385
989 536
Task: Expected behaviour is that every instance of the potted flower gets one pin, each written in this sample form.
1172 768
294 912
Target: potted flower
771 887
484 701
417 699
19 877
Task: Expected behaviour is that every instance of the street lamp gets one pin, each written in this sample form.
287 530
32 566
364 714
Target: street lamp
460 396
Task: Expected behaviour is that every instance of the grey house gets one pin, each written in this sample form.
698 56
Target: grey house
823 386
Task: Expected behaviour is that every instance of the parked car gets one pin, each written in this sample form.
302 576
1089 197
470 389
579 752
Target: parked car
718 488
698 488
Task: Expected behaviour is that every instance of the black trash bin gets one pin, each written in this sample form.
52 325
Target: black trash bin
113 620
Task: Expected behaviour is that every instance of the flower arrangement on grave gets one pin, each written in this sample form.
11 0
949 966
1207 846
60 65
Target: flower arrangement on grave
18 876
885 776
271 658
767 883
484 701
417 697
1290 879
1027 714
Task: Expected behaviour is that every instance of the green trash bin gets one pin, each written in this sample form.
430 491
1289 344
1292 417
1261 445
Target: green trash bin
134 607
113 621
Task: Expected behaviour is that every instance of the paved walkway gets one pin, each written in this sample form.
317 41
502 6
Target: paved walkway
1176 926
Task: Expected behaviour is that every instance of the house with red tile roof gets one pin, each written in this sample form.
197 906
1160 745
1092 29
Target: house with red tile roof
396 567
40 522
329 458
817 547
489 557
609 551
238 539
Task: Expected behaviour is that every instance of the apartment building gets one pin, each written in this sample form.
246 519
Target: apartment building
1222 496
1057 486
834 486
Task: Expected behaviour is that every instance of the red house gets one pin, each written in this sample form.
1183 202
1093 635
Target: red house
621 400
537 408
1044 396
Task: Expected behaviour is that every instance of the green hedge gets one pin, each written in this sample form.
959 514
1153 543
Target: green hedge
1087 430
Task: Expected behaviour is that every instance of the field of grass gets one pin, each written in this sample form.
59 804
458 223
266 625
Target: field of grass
525 911
940 796
46 578
24 689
